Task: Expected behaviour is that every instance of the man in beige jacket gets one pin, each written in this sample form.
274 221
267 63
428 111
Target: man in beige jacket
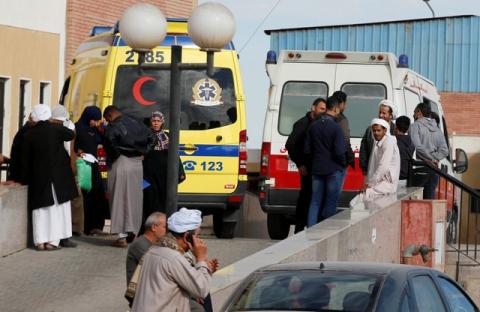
167 279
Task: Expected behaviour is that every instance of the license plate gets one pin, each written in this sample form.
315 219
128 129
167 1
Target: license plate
292 166
104 174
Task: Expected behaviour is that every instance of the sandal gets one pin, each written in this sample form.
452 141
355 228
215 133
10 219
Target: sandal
51 247
40 247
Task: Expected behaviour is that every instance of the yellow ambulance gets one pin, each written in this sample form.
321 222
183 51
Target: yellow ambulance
213 135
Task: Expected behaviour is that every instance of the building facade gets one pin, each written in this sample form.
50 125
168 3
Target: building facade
39 39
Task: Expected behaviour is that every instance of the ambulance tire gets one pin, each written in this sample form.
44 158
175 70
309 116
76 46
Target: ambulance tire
278 226
221 228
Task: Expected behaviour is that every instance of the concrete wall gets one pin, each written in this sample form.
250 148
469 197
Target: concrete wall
13 219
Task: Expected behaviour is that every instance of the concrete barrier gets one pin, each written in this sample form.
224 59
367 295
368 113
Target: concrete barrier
368 232
13 219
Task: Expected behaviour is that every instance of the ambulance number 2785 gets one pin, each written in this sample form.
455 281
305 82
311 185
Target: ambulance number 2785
150 56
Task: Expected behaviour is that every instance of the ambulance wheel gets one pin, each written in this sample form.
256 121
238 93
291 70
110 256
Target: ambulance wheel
278 226
221 228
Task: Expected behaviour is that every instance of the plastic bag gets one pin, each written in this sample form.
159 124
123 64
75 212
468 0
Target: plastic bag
84 175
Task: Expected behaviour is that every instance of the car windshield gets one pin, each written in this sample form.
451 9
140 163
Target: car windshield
307 290
206 103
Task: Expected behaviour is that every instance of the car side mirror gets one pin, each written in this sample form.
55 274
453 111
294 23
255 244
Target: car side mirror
461 161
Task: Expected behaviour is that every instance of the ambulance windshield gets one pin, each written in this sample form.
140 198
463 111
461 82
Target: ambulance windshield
207 103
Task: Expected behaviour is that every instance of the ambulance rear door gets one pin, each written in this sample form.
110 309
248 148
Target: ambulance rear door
299 85
365 86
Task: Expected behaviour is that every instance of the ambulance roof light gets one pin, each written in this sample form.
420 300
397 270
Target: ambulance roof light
97 30
271 57
403 61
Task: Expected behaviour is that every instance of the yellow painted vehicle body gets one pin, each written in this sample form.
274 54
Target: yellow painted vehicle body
105 72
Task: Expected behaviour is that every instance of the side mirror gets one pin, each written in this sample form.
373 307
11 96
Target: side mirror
461 161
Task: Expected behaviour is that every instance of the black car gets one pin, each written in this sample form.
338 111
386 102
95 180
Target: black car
349 286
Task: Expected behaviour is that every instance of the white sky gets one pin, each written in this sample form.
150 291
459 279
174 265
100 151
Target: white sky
303 13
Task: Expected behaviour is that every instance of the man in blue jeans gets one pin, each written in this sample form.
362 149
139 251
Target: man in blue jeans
343 122
326 146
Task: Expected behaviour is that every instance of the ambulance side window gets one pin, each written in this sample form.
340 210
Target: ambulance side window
297 98
362 99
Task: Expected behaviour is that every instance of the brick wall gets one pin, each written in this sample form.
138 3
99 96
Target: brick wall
462 112
82 15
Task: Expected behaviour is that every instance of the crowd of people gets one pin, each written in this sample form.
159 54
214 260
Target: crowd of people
47 151
47 154
168 264
319 145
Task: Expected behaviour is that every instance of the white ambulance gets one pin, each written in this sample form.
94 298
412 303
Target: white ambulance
299 77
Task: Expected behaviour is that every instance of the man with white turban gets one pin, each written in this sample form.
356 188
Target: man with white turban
167 279
50 180
387 110
384 164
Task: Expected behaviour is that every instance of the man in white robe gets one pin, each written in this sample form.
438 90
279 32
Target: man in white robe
384 163
50 179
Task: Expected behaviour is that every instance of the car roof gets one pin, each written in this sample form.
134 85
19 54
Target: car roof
364 267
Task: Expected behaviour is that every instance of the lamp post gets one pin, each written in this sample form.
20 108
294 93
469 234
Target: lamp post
211 26
427 2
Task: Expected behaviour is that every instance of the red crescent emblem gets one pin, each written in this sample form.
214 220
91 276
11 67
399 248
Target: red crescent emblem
137 88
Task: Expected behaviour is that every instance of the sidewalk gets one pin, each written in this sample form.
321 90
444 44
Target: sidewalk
90 277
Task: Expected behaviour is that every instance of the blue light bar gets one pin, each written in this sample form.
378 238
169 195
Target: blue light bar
403 61
271 57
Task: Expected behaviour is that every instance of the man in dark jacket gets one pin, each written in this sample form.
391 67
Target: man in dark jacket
326 145
404 143
126 141
295 146
387 111
343 122
430 146
50 180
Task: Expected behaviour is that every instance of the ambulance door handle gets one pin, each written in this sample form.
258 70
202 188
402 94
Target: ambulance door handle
188 147
219 138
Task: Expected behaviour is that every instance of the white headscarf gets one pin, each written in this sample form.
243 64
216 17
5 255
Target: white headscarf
41 112
381 122
185 220
391 105
59 112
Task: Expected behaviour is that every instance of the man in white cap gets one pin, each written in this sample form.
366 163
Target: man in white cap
50 180
167 279
387 110
384 164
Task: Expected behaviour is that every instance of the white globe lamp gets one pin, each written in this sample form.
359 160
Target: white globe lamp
211 26
143 26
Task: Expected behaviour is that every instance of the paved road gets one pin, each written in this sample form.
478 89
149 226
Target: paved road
90 277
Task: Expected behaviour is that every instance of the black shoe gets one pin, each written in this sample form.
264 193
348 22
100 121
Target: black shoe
131 237
67 243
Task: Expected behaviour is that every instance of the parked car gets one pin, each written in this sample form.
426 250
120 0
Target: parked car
349 286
